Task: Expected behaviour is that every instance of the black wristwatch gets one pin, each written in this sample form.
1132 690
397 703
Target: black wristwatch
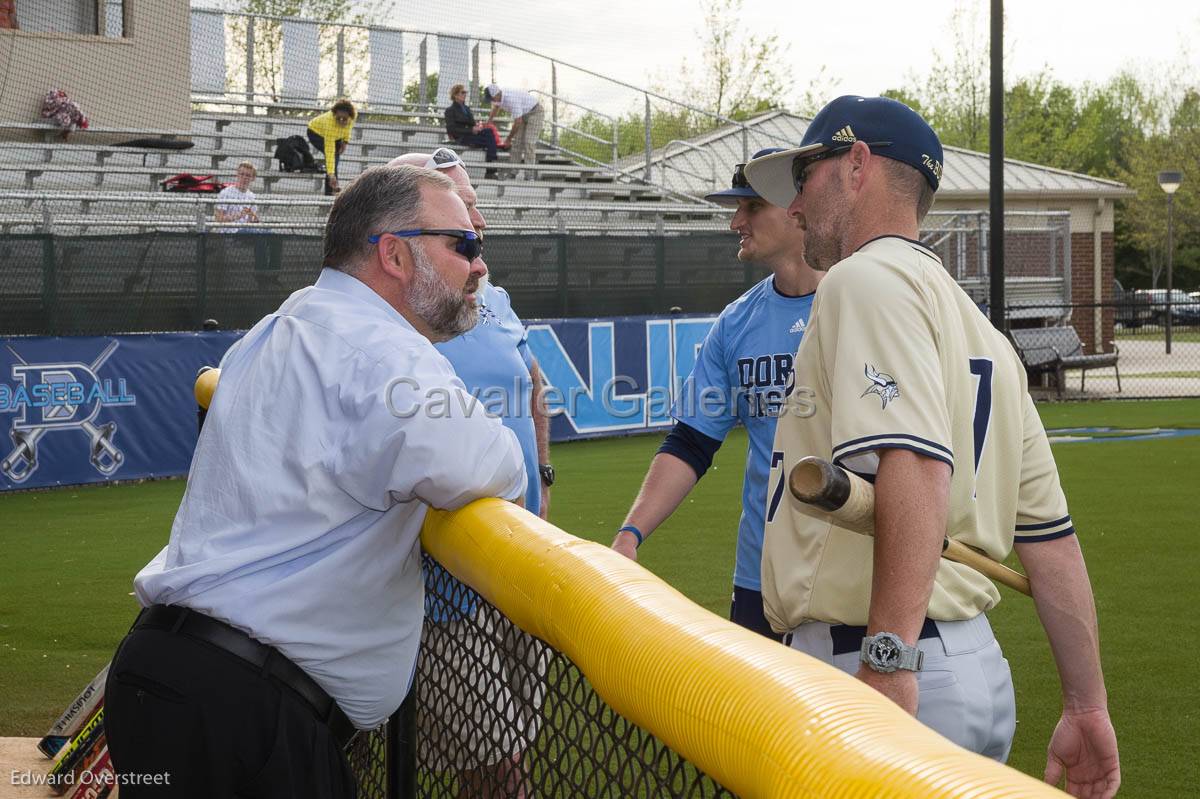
547 473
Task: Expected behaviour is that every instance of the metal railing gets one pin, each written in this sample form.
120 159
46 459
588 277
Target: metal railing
707 155
71 213
257 58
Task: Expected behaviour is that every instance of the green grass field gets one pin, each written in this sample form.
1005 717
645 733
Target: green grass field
70 556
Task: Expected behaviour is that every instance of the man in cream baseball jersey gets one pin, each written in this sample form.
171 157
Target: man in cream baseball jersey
905 383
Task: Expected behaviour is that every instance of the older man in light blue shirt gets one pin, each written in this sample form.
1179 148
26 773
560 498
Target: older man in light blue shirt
289 597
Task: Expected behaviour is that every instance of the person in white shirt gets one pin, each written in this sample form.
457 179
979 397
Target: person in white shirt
527 116
237 201
237 205
286 609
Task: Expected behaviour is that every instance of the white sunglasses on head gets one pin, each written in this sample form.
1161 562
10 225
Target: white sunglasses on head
444 158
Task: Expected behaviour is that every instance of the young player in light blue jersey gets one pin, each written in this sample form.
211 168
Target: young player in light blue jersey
741 374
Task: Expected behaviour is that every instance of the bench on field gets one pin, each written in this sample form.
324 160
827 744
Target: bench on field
1053 350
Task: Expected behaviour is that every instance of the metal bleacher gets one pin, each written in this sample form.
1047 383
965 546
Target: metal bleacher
88 187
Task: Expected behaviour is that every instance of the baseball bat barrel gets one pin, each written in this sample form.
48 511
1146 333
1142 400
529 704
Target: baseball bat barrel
850 500
845 496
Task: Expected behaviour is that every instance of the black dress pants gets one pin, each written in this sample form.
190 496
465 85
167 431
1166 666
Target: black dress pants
484 139
213 726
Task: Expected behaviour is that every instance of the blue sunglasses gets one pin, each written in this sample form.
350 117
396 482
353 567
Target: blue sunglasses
469 244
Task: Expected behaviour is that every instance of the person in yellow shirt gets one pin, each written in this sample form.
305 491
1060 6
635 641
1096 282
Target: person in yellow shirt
330 133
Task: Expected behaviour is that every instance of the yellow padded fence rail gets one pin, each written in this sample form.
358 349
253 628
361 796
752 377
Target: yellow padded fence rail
763 720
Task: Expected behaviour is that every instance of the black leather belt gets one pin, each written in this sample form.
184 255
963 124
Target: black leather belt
268 660
848 638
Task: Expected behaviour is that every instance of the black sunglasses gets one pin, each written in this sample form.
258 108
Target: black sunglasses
799 165
469 245
739 177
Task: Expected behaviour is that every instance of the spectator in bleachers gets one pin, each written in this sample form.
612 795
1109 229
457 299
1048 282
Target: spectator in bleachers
8 15
237 200
237 205
526 127
330 133
462 127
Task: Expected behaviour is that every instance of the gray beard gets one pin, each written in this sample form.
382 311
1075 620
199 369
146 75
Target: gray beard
445 310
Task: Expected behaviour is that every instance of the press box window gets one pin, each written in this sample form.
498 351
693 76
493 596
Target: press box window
89 17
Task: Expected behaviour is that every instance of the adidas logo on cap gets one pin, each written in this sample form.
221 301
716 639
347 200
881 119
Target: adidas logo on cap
845 135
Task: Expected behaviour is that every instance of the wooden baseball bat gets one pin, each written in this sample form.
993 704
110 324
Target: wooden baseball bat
850 500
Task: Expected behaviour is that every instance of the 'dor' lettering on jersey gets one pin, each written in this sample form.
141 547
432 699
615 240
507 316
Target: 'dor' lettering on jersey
763 383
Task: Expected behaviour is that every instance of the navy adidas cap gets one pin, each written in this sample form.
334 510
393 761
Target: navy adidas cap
889 127
740 188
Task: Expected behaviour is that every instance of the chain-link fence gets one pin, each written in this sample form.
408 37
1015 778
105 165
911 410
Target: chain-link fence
500 713
152 281
86 264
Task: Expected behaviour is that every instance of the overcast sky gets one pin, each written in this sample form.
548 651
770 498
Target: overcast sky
869 46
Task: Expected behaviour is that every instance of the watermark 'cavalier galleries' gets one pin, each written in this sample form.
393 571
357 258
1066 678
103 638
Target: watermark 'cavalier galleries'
619 397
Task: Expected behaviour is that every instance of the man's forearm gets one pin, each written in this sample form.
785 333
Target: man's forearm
541 418
1063 596
667 482
911 498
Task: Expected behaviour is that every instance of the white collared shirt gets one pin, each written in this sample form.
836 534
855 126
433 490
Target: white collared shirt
517 102
301 520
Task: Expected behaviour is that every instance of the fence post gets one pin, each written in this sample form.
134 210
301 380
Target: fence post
423 60
50 285
616 150
249 65
202 278
341 62
649 149
473 90
401 780
564 306
493 67
660 269
745 144
553 103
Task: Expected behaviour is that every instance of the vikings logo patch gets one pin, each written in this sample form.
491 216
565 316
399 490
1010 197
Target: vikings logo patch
882 384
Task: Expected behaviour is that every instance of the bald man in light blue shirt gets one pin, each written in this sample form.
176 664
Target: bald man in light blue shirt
493 358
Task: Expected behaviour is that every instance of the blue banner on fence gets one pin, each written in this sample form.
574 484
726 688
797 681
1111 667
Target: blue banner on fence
93 409
614 376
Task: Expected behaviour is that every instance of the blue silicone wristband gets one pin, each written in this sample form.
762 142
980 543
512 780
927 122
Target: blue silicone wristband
629 528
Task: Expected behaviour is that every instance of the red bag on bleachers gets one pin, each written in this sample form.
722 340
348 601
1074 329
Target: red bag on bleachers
203 184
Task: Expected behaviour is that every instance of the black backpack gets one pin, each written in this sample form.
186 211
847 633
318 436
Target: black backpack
293 155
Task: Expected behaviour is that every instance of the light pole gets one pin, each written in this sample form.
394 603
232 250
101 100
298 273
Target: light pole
1169 181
